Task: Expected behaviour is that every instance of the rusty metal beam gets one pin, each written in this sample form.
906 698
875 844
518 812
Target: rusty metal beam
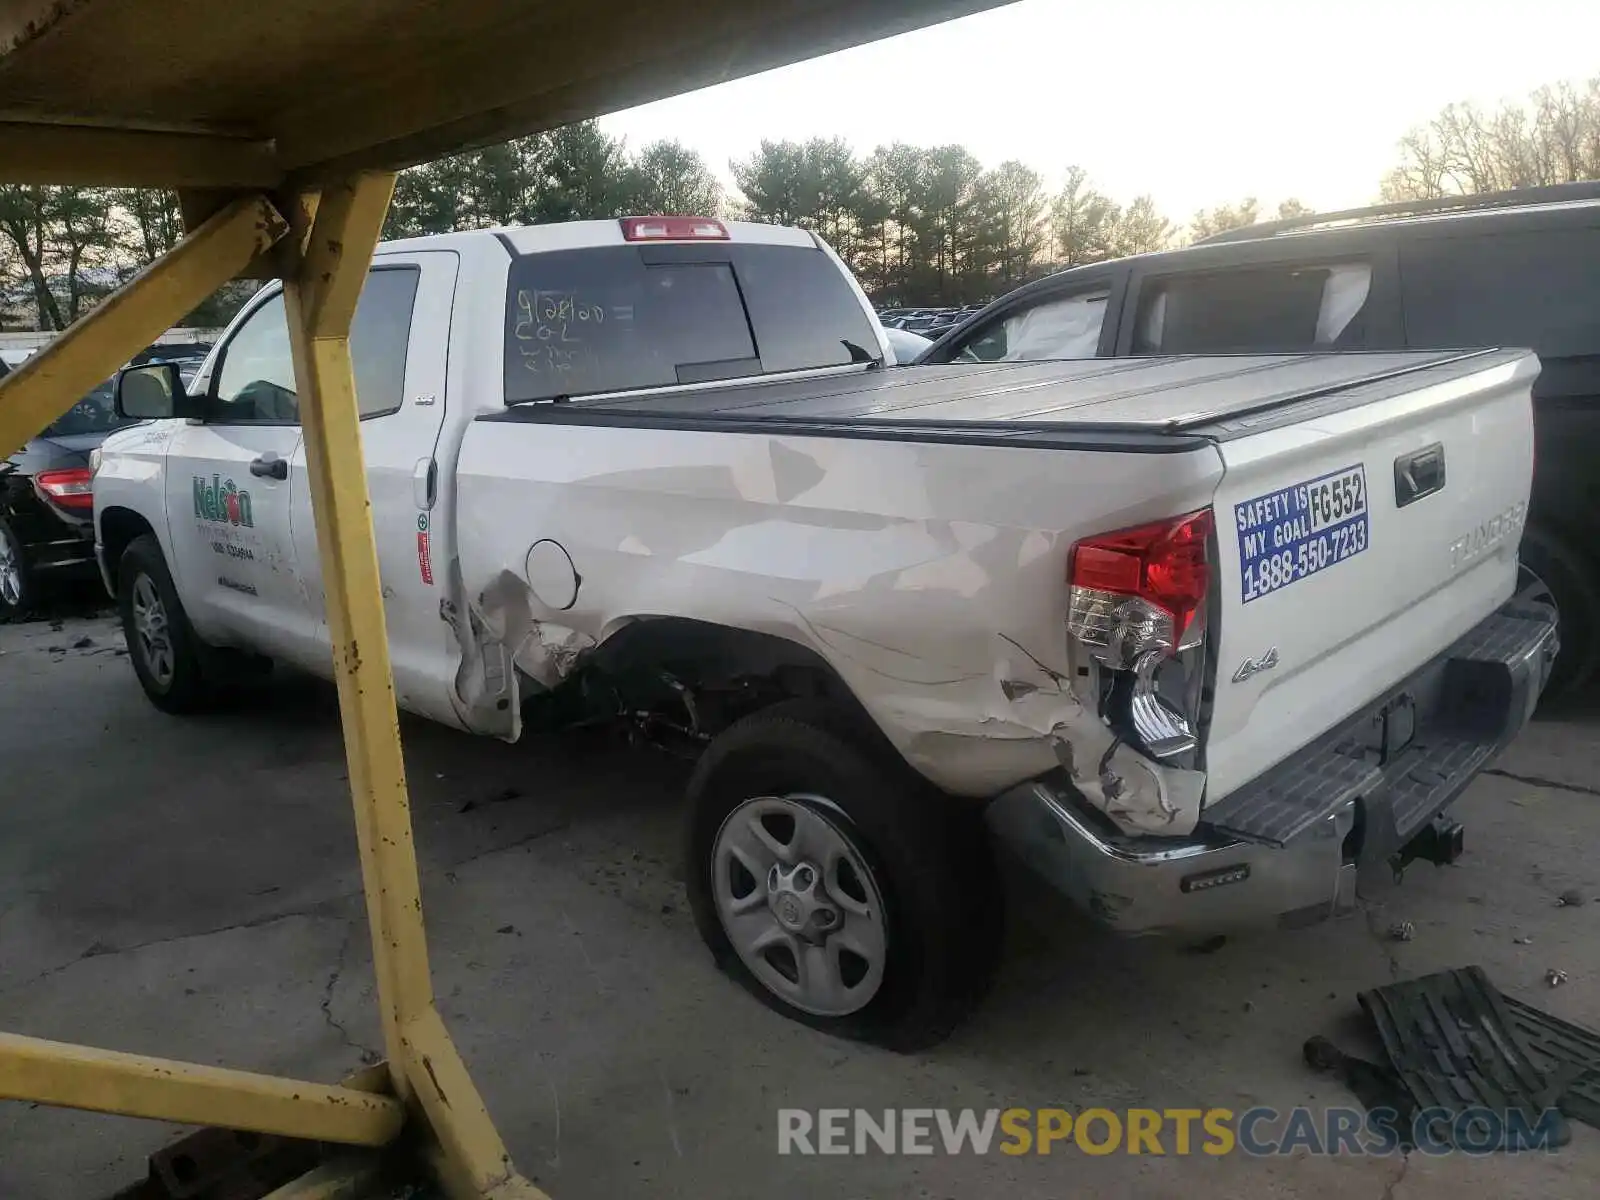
87 156
320 296
133 1085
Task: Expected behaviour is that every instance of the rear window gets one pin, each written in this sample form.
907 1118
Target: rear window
1539 290
1277 308
619 318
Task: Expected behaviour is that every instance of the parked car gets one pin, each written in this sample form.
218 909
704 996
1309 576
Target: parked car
46 508
1196 638
188 365
172 352
1507 269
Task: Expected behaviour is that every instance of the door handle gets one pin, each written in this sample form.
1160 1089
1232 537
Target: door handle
1418 474
270 466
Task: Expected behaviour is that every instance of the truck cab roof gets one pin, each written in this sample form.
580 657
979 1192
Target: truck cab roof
582 235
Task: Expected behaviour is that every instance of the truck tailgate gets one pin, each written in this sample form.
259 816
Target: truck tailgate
1359 535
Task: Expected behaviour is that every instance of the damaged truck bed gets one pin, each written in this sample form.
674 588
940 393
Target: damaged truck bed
1197 635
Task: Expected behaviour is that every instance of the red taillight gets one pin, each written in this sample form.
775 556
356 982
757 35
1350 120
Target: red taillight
70 487
673 229
1141 589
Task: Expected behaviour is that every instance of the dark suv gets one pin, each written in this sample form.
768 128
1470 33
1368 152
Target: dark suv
1507 269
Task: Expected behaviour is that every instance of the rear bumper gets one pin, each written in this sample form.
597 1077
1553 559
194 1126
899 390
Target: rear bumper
64 554
1286 848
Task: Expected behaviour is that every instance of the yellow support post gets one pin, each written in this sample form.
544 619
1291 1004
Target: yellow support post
132 317
351 1179
133 1085
320 296
474 1162
321 291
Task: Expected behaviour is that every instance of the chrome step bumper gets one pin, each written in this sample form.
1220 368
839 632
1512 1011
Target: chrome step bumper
1286 847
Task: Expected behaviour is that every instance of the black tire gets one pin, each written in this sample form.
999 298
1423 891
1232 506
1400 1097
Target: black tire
19 576
187 689
928 853
1553 567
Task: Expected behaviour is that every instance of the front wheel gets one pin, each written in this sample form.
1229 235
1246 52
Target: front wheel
837 887
16 580
161 644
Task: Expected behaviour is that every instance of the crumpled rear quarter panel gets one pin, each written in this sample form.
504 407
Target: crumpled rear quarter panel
930 576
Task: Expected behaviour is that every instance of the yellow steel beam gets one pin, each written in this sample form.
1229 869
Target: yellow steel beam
474 1159
325 266
321 291
132 317
132 1085
347 1179
320 296
58 153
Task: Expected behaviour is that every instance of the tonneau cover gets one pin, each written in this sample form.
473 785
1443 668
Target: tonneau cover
1152 395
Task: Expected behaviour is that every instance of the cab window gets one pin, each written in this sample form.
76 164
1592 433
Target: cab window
1067 327
1280 308
255 381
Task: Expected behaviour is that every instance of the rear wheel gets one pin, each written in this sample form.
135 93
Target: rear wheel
165 652
16 580
835 885
1555 576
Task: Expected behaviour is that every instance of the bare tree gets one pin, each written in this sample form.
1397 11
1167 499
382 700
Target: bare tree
26 219
1552 137
156 221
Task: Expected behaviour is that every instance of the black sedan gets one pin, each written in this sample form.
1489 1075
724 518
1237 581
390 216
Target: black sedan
47 502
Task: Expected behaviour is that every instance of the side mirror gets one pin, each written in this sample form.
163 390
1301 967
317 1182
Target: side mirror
153 392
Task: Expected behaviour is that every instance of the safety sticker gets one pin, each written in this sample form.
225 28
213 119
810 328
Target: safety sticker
424 550
1299 530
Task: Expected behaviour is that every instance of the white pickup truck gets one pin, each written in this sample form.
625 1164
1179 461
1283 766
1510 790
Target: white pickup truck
1196 637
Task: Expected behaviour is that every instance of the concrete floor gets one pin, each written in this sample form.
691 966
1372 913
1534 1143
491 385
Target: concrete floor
190 888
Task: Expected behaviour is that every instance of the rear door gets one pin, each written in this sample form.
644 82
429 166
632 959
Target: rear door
228 488
399 344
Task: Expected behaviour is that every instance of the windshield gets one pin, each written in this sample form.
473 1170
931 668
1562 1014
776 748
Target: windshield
95 413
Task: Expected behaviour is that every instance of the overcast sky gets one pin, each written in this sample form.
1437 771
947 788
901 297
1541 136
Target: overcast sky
1198 102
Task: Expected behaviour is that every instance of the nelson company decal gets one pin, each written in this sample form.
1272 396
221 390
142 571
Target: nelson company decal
424 550
225 520
222 502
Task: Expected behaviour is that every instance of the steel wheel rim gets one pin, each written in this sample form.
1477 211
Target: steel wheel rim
10 570
152 635
799 904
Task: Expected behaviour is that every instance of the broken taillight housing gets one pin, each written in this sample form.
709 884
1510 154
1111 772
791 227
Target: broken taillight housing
1138 605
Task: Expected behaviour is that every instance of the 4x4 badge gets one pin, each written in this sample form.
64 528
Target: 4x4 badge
1254 666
